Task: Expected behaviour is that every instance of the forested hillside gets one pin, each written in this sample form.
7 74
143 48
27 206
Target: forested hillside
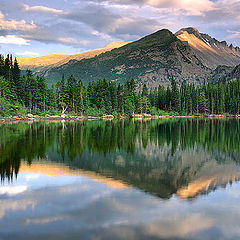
20 95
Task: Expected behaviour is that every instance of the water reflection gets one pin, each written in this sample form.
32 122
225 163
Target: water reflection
66 207
62 170
120 180
183 156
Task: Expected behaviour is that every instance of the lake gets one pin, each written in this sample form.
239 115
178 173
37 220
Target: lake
123 179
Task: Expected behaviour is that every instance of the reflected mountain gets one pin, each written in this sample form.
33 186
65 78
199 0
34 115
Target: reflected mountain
187 157
52 169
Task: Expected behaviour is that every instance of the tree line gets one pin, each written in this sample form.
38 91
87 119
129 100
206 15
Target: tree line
26 93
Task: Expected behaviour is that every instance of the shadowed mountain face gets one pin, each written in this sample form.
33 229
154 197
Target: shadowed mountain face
153 60
162 157
210 51
223 72
235 73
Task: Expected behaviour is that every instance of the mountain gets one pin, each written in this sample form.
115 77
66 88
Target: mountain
153 60
225 73
210 51
220 73
235 73
44 62
187 55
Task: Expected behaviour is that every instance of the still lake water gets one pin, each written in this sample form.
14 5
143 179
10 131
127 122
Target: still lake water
160 179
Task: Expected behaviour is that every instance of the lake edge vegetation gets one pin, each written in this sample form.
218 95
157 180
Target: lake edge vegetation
23 94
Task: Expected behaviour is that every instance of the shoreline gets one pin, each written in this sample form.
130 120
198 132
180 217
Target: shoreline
137 117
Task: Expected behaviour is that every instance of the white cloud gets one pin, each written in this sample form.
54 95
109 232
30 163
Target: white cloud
191 6
233 36
28 54
13 39
12 190
66 40
15 25
41 9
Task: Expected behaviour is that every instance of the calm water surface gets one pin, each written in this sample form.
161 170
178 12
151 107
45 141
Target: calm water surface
160 179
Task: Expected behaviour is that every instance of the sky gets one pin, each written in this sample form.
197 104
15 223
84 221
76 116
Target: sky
30 28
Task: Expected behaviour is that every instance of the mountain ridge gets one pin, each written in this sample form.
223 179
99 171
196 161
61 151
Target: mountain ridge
153 59
187 55
211 51
59 59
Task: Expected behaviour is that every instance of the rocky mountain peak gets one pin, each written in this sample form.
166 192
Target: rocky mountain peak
189 30
208 49
161 35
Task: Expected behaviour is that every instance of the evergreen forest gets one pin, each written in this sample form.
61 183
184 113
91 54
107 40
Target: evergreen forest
22 94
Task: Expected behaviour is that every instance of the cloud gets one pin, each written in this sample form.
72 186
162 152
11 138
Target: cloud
15 25
14 190
104 21
190 7
69 40
233 36
40 9
12 39
53 34
95 23
223 11
43 220
236 33
27 54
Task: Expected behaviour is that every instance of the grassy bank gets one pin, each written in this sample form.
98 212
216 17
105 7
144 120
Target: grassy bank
136 117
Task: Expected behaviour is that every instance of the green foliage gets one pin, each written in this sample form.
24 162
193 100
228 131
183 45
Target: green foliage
103 97
97 112
11 109
51 112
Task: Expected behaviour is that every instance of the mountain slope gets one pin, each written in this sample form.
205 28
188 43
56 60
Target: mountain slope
235 73
154 60
228 73
60 59
211 52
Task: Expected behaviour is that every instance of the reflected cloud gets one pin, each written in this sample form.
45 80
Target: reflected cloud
132 188
12 190
182 226
42 220
115 214
15 205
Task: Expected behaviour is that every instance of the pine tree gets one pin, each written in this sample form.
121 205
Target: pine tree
175 96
